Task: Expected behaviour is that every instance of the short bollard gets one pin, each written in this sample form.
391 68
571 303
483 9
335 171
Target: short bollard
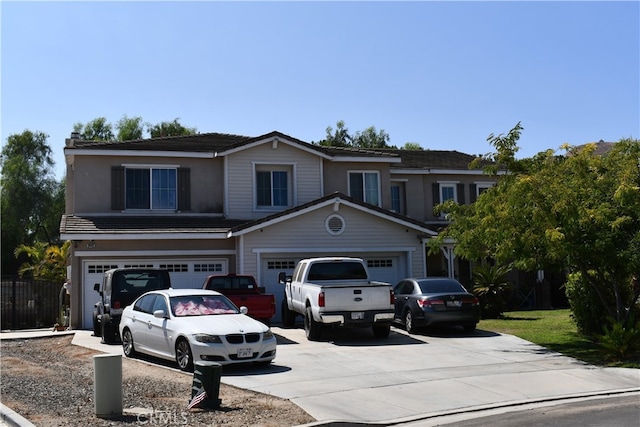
206 385
107 384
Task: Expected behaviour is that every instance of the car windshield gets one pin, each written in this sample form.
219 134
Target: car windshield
201 305
439 286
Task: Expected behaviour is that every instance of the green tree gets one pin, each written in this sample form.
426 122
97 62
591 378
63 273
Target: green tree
412 146
97 129
130 128
44 262
173 128
368 138
337 138
578 211
31 199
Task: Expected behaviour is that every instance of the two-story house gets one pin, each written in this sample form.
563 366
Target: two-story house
215 203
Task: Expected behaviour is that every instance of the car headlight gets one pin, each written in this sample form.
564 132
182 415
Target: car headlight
267 335
207 339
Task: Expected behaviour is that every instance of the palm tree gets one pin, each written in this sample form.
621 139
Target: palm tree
46 262
491 287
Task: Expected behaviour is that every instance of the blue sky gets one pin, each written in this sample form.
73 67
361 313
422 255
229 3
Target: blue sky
442 74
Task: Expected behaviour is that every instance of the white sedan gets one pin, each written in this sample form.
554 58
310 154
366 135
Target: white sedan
188 325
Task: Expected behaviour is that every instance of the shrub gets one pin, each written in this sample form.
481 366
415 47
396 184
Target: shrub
620 341
586 308
491 288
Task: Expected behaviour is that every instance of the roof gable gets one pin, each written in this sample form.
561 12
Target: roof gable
331 199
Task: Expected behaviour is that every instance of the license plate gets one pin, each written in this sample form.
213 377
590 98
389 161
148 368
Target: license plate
357 315
244 353
454 303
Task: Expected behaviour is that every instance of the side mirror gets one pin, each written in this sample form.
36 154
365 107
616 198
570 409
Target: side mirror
244 310
96 287
282 277
160 314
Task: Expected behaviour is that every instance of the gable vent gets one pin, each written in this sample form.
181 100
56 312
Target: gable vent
334 224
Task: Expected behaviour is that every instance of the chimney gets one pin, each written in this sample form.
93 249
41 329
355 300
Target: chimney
69 141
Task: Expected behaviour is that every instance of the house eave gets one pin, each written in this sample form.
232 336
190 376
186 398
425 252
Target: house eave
144 236
358 159
70 152
427 171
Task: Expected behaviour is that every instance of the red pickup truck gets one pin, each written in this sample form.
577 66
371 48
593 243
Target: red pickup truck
243 290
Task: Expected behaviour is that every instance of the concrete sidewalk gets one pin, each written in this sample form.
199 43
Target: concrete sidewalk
411 379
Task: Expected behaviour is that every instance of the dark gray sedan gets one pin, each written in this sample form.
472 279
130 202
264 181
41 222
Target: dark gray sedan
435 301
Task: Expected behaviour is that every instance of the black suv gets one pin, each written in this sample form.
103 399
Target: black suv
119 288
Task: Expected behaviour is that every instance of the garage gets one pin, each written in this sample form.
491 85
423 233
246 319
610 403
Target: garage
184 274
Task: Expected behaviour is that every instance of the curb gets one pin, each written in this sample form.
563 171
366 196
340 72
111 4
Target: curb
12 418
415 420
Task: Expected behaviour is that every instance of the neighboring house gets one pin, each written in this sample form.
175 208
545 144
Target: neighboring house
215 203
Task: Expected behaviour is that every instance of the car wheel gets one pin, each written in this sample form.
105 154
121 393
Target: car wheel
184 357
469 327
381 331
408 322
107 329
288 316
96 324
312 329
127 343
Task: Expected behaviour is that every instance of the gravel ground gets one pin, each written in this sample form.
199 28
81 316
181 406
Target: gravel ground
49 381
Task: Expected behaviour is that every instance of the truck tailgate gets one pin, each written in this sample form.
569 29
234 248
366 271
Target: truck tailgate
357 297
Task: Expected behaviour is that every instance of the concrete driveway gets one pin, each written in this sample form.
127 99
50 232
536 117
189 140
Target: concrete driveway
352 376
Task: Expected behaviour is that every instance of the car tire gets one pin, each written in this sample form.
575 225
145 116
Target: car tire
408 322
128 347
381 331
184 356
312 329
96 324
470 327
106 333
288 316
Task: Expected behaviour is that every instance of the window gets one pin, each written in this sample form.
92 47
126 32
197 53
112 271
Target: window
398 203
151 188
481 187
281 265
145 304
365 186
273 186
443 191
379 263
215 267
447 192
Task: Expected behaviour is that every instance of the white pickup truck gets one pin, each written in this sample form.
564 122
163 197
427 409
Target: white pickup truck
336 291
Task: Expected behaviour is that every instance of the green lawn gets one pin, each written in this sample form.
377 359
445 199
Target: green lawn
555 330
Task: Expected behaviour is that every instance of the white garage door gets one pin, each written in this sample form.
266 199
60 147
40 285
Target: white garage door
386 268
271 267
189 274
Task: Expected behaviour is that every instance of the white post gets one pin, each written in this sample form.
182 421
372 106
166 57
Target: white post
107 384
